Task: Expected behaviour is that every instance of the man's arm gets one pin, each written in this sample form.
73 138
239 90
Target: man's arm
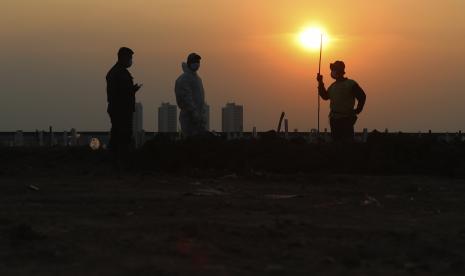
361 97
184 97
121 83
137 87
113 87
321 88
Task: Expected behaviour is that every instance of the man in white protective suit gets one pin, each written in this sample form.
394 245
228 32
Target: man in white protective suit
190 97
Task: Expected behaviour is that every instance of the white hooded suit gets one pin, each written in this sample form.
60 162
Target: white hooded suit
190 97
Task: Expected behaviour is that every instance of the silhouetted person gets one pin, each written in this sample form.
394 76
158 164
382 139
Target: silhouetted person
190 97
121 96
342 95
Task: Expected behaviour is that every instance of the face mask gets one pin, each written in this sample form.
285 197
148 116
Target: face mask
335 74
195 66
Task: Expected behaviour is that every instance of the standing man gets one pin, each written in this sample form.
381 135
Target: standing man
190 97
121 96
342 95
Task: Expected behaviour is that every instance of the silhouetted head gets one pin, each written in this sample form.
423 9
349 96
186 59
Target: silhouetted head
193 61
337 69
125 56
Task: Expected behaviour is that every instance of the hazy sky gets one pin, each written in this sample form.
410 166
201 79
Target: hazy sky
409 56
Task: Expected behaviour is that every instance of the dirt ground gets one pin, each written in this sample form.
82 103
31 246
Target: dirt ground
153 224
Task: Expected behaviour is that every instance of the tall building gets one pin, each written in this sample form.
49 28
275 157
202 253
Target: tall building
138 119
232 118
167 118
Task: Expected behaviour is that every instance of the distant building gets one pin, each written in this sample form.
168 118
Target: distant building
232 118
167 118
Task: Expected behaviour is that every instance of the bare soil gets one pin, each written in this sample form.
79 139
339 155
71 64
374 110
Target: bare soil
258 224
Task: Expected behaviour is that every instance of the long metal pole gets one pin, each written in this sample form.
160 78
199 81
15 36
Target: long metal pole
318 94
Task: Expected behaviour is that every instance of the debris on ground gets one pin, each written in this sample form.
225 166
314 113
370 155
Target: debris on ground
369 200
33 187
230 176
207 192
281 196
329 204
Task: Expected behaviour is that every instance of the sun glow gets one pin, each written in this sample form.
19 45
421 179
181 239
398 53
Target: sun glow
311 38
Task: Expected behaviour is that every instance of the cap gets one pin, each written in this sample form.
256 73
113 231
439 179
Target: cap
338 66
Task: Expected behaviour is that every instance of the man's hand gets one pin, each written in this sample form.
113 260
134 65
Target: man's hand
319 78
137 87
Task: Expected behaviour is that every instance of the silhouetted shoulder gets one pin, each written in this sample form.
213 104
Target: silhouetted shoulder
117 72
352 82
331 86
182 77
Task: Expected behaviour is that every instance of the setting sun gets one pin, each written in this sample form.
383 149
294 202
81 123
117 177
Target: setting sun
310 38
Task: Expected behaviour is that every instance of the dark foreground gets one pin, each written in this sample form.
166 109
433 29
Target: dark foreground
392 206
259 224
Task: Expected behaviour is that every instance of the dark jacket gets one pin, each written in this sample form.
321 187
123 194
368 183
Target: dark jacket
121 95
342 94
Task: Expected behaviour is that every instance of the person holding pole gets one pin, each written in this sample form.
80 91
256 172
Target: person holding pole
342 95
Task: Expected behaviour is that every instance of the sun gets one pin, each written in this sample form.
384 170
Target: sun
310 38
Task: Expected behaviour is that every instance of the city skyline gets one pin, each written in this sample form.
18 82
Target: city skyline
139 121
409 59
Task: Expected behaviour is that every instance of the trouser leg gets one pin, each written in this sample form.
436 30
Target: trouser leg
114 134
342 130
121 137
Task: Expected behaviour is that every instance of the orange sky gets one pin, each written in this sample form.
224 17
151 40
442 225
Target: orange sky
407 55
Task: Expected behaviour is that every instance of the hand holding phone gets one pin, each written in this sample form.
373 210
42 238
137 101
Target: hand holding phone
137 87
